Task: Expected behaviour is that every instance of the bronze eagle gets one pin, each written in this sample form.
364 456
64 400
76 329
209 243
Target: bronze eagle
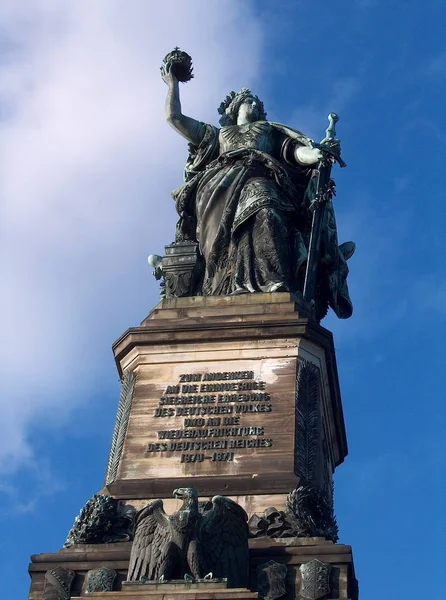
191 543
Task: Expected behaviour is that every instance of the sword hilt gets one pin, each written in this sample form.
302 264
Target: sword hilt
330 135
330 132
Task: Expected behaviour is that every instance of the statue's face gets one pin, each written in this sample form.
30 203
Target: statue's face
248 111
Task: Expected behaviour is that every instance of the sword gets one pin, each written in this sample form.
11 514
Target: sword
323 194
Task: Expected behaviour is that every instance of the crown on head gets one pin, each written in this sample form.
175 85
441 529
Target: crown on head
230 105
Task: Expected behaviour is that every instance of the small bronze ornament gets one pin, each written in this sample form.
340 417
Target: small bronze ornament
58 584
271 578
308 513
315 579
100 580
102 520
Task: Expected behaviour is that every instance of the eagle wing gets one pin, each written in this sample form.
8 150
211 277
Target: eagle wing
223 539
151 541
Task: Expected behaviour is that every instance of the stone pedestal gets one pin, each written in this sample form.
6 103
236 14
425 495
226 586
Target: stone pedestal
290 552
224 390
340 581
237 396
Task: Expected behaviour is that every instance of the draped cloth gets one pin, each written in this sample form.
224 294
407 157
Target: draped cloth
249 201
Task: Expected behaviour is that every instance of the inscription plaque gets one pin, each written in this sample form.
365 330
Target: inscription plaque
215 398
215 416
211 419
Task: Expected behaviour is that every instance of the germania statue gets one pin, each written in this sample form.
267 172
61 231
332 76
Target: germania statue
257 198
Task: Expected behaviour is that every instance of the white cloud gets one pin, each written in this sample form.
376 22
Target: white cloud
86 168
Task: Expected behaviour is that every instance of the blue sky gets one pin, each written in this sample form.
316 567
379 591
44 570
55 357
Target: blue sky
87 164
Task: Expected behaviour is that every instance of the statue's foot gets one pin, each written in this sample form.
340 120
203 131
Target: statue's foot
238 291
278 286
188 577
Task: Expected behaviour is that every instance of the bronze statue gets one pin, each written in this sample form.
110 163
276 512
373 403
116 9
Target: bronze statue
249 199
191 544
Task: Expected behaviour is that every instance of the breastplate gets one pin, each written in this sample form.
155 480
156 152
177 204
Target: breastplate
256 135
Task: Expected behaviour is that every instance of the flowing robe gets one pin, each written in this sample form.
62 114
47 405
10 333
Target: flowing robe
246 195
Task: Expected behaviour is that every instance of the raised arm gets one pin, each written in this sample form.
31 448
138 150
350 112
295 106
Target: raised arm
189 128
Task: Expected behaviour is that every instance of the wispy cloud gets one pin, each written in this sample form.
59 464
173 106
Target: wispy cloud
39 483
86 168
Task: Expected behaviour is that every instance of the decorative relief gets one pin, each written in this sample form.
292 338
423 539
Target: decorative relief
100 580
308 422
308 514
271 580
182 266
327 479
102 520
315 582
311 513
58 584
273 523
178 284
122 420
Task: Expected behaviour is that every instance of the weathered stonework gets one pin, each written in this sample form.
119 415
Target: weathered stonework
263 339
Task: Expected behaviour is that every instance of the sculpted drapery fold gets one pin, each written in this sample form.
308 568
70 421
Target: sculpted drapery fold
249 201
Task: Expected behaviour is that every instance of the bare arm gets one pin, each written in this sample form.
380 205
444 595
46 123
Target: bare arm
306 156
189 128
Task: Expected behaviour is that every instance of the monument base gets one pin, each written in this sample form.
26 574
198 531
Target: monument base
235 396
336 572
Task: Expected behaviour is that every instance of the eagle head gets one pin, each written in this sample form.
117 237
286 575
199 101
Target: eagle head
188 495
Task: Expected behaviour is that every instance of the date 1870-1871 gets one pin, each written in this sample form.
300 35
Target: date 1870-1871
215 457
